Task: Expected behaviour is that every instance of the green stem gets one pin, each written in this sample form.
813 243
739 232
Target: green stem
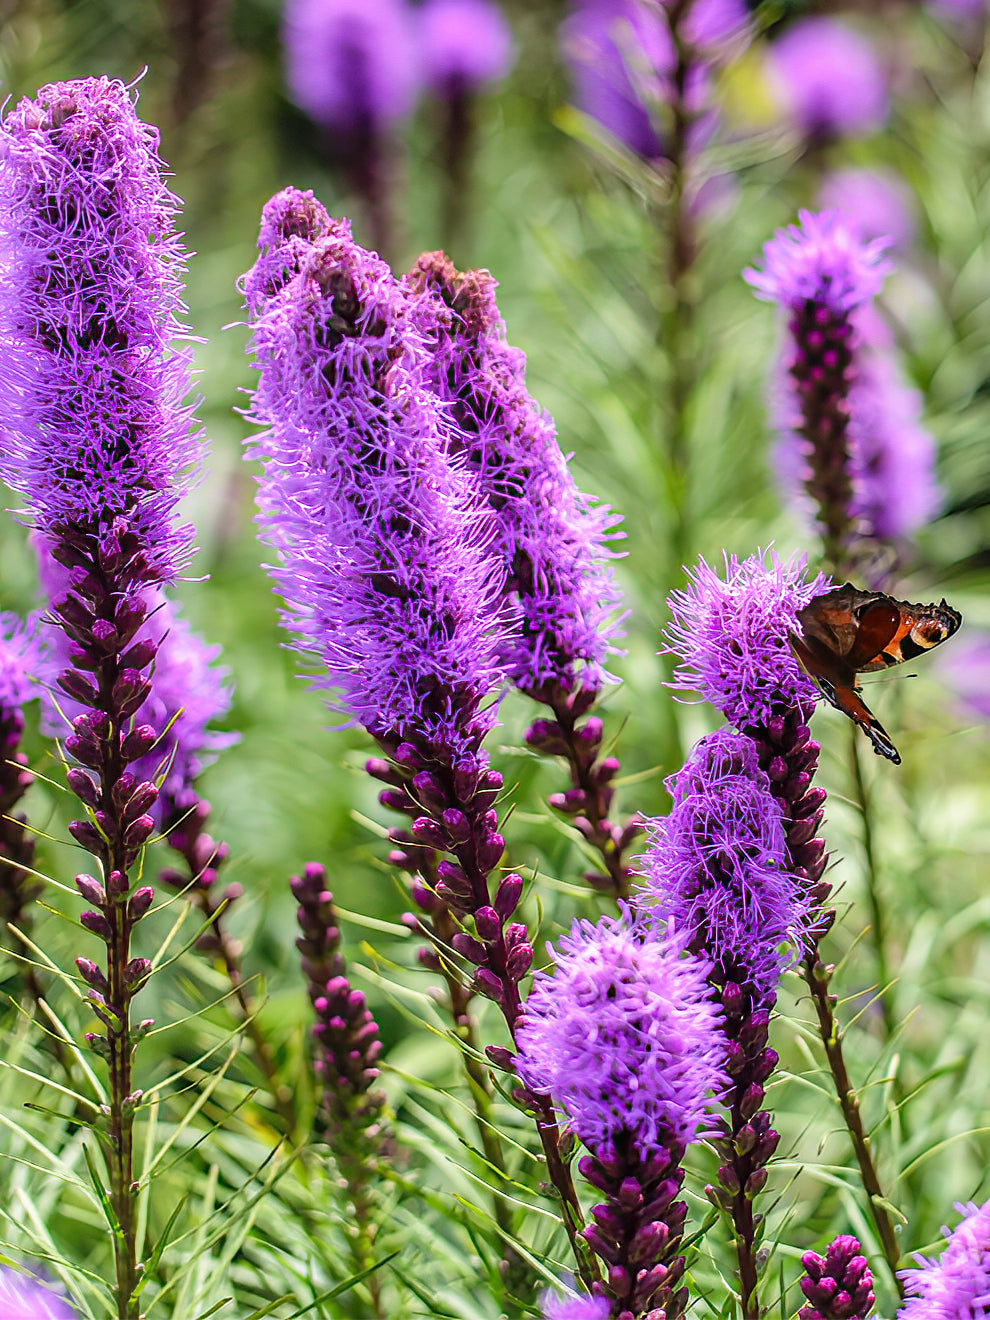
878 921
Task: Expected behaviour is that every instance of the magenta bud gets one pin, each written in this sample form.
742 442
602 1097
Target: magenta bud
407 756
488 984
755 1183
519 961
428 791
490 852
429 960
487 923
457 825
140 654
85 749
137 969
96 923
91 890
425 830
138 742
92 975
468 947
508 894
85 833
139 831
515 934
751 1100
499 1057
129 692
590 732
378 768
423 897
78 687
396 799
141 900
83 785
117 884
729 1179
143 797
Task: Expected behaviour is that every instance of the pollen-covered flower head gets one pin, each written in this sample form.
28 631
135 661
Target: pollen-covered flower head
22 661
717 865
624 1034
551 539
955 1285
22 1297
731 635
383 543
823 260
92 387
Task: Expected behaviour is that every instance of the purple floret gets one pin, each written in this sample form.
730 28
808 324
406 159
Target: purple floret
551 539
731 636
717 865
92 389
383 544
955 1285
624 1034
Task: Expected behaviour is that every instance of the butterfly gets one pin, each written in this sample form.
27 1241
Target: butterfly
846 632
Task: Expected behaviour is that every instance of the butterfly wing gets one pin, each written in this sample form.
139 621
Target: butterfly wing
836 679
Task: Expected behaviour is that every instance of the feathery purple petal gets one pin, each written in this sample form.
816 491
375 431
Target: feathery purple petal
955 1285
717 865
623 1034
383 544
551 539
90 279
731 636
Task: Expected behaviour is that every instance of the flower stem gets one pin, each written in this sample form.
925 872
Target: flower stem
816 978
862 798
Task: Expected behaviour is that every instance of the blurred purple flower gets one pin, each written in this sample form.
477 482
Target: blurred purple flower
849 425
550 537
838 1287
554 1306
960 10
91 388
717 865
955 1285
383 544
731 636
463 44
22 661
22 1297
621 57
828 79
821 260
350 64
873 203
624 1034
965 669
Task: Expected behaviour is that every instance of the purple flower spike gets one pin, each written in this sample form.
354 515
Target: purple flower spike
627 1038
828 79
840 1287
384 550
556 1307
346 1035
24 1298
463 44
623 1034
717 865
350 64
550 538
731 636
955 1285
22 661
91 392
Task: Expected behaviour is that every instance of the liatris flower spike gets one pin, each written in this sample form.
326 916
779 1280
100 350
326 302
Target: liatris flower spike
732 637
717 867
828 79
955 1285
624 1034
840 1287
819 272
100 445
552 540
